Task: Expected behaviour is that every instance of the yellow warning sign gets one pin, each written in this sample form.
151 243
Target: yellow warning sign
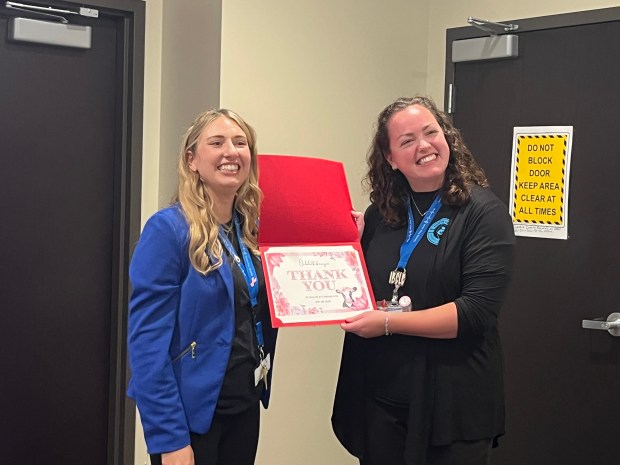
540 168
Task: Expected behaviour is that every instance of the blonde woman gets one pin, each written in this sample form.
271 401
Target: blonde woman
200 338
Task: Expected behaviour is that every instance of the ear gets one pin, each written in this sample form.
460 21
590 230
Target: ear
189 159
388 157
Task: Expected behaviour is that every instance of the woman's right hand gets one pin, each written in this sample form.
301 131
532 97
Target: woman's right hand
183 456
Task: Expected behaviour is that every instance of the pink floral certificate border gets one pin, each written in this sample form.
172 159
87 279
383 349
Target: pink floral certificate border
315 284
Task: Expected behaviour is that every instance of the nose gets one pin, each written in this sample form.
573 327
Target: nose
230 149
423 145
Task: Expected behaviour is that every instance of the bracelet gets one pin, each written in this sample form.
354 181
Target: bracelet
387 322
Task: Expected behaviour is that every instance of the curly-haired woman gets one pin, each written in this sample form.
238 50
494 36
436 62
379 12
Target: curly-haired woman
424 387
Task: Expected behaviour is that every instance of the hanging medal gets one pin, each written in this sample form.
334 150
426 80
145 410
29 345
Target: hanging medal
397 279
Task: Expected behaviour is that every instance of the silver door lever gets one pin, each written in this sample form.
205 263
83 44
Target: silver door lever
612 325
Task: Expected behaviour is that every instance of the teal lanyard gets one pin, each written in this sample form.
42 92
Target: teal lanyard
413 237
247 266
249 274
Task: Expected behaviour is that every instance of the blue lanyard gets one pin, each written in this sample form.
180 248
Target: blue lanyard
247 266
413 237
249 274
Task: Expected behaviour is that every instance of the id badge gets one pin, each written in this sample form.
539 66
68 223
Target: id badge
261 371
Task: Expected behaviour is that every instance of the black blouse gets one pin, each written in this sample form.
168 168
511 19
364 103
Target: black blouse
238 390
390 360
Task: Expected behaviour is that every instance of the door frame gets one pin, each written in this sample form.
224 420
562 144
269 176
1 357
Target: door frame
579 18
127 215
121 409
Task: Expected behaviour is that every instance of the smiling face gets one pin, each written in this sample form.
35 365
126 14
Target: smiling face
418 148
221 157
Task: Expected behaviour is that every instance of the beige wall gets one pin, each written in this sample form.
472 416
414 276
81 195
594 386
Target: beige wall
151 144
311 77
190 77
152 108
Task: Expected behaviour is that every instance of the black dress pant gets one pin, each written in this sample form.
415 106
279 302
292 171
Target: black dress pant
384 442
232 439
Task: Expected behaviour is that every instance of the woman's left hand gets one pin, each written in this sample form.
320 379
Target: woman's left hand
358 217
367 324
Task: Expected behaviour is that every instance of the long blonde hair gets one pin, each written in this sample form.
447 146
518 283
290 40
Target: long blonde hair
205 250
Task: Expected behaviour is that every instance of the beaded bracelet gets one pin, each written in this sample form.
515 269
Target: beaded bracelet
387 321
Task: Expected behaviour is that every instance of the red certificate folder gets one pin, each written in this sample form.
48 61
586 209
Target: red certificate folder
311 254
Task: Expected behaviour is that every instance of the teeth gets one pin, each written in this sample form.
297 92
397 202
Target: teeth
427 159
231 168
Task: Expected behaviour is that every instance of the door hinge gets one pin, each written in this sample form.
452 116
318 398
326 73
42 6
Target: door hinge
89 12
451 99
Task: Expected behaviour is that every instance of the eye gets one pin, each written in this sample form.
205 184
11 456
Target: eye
241 143
406 142
215 143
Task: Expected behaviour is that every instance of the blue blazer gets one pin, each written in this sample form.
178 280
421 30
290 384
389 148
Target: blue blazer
181 328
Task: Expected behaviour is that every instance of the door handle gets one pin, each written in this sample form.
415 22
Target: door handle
612 325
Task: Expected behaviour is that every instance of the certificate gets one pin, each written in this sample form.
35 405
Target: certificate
312 260
315 284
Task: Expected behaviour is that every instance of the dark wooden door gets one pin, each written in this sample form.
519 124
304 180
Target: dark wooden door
66 160
561 380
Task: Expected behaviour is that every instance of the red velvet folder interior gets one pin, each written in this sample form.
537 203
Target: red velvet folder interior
306 203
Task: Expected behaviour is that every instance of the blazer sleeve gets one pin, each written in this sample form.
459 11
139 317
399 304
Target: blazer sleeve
156 274
487 264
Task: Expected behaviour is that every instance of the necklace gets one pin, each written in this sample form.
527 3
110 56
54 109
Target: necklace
417 208
227 227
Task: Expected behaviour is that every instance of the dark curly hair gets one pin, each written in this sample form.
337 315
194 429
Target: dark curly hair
389 189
